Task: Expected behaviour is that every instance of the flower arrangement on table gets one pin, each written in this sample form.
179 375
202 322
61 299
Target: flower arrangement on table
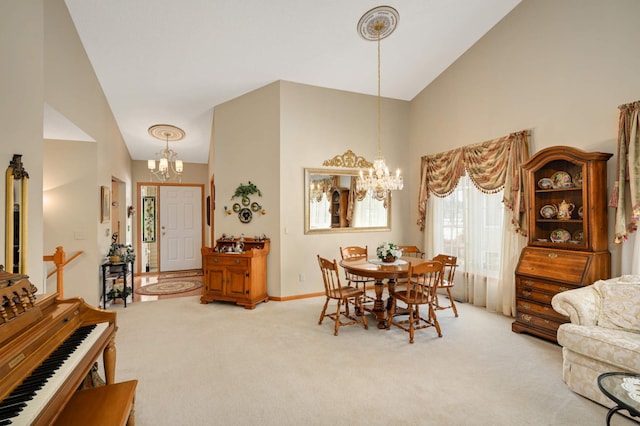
388 252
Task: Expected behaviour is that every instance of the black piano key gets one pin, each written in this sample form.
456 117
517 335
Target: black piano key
16 401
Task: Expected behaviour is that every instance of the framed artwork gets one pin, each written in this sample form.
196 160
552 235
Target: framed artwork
208 210
148 219
105 204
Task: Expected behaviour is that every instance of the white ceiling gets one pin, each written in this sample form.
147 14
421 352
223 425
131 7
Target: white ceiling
172 62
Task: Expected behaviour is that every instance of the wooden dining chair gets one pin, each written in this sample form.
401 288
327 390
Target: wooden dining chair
422 282
354 253
446 282
412 251
342 295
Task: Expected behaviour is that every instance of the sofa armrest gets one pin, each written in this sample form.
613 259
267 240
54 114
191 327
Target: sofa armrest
581 305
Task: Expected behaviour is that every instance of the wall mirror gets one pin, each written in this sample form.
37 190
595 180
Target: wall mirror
17 181
333 205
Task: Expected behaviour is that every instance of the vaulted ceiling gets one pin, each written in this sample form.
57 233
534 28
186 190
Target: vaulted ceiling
168 61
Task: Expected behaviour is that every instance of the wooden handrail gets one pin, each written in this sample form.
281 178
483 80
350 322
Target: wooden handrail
59 258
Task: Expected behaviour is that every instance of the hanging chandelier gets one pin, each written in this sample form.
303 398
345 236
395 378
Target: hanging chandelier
169 166
376 24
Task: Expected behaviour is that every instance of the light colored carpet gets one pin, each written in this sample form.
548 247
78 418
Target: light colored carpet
220 364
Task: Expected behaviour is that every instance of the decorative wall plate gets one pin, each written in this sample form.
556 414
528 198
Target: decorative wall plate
548 211
255 206
561 180
577 180
236 207
560 235
245 215
578 236
246 201
545 183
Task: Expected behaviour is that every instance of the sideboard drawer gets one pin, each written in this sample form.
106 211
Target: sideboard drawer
226 260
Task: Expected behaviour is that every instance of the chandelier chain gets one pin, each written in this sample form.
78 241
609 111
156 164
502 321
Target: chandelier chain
376 24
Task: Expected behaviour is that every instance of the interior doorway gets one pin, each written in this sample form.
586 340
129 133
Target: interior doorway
170 227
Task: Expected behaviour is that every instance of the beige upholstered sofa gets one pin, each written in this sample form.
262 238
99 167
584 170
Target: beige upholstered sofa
603 335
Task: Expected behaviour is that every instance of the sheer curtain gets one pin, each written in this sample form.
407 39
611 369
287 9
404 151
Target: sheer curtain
488 229
468 224
369 212
319 216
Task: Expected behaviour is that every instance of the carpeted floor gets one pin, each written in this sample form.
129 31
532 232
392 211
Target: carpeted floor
217 363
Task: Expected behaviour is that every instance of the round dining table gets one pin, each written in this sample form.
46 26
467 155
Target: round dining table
380 271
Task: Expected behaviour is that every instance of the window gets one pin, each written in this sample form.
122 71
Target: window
369 212
468 224
319 216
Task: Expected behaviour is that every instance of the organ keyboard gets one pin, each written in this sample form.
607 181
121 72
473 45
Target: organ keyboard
47 347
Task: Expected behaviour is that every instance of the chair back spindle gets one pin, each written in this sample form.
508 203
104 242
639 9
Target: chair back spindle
447 281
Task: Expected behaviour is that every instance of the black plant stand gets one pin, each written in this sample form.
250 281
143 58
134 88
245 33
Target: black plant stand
115 271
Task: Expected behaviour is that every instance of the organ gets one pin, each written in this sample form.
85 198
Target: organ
47 347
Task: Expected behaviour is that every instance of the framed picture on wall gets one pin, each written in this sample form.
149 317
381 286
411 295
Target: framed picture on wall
105 204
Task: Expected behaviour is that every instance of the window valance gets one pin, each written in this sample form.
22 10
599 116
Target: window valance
492 166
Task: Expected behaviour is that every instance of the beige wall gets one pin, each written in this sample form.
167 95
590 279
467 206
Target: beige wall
268 137
246 133
68 220
21 112
557 67
316 125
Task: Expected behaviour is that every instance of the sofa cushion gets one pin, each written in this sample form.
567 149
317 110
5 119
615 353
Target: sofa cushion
616 347
619 309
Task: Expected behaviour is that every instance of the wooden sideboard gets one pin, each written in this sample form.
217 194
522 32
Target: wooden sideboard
236 277
565 250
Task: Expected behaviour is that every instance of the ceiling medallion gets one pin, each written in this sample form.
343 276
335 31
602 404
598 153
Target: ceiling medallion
166 132
379 22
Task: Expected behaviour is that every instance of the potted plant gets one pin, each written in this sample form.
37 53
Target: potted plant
243 191
121 253
388 252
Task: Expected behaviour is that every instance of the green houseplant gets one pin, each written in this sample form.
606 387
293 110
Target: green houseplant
121 253
243 191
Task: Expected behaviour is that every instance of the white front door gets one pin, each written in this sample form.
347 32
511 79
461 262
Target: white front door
180 228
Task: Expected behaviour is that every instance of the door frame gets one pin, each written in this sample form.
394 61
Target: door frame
138 237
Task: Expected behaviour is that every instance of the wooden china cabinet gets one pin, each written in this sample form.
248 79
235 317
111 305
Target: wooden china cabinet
239 277
568 244
339 203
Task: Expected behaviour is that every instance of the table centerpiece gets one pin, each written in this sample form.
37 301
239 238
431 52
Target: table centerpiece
388 252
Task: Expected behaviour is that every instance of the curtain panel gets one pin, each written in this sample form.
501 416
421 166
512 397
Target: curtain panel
492 166
627 184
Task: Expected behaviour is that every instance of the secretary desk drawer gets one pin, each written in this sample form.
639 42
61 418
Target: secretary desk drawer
537 321
556 265
526 283
531 307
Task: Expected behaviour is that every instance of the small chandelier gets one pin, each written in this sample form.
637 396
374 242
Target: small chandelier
169 166
376 24
318 188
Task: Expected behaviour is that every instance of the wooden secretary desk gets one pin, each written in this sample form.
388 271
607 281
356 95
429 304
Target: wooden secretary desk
236 277
568 243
